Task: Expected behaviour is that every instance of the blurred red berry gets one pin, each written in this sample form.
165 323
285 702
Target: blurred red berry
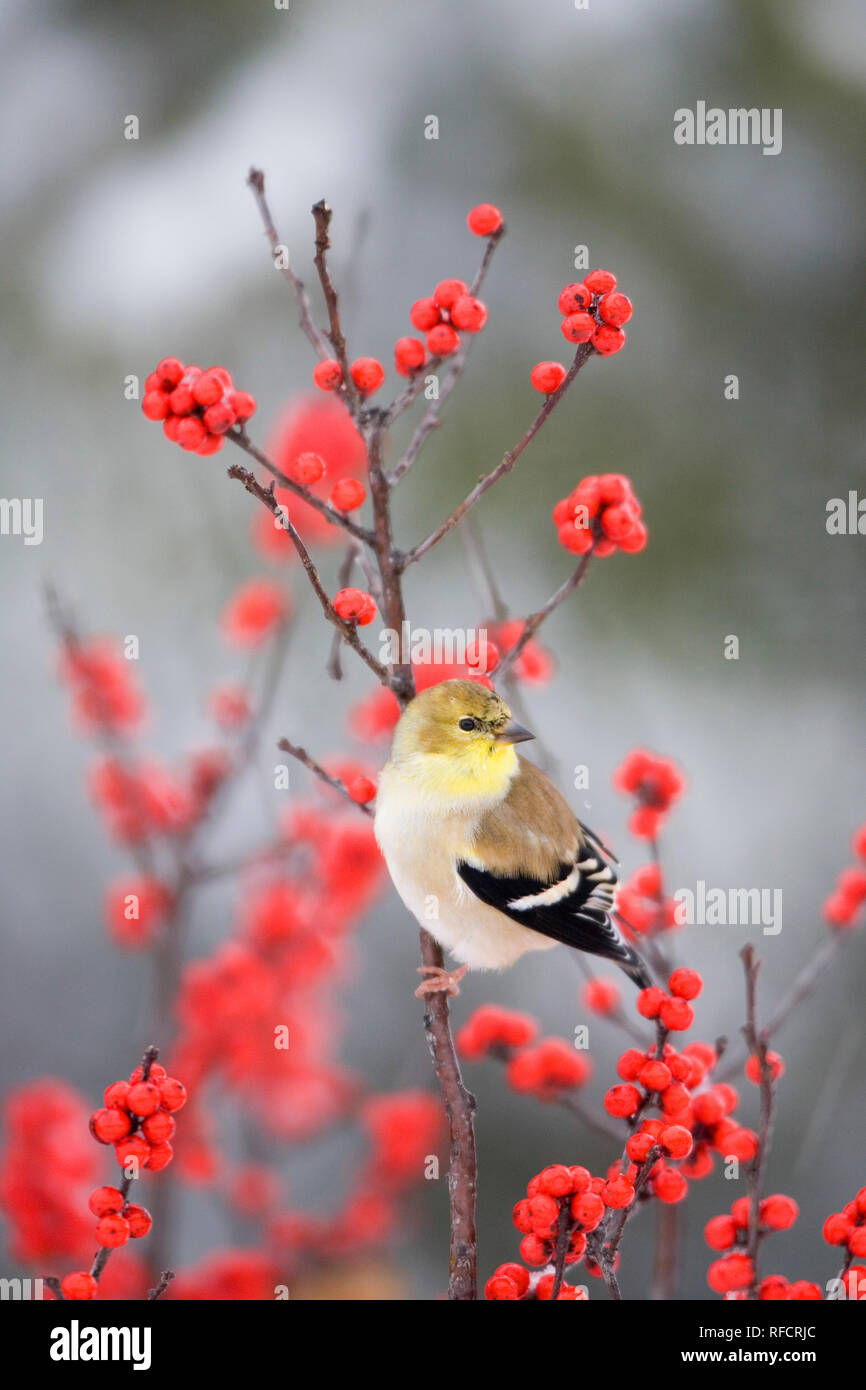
485 219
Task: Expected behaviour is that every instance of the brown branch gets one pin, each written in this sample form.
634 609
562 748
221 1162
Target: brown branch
666 1259
584 352
322 217
256 181
400 680
757 1044
344 574
563 1239
304 757
164 1280
534 621
238 436
349 630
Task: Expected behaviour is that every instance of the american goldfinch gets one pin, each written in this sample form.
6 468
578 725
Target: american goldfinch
480 845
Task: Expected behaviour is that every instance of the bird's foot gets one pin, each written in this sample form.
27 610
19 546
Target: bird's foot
441 981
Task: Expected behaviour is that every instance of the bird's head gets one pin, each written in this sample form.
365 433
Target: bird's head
461 725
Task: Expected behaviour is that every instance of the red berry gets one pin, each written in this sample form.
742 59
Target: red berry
677 1141
112 1231
485 219
78 1286
618 522
328 374
670 1186
622 1100
587 1208
607 340
219 418
158 1127
348 494
600 281
499 1286
115 1095
615 308
409 355
639 1145
630 1064
775 1286
547 377
307 468
650 1000
105 1200
367 374
139 1220
556 1180
424 315
731 1272
521 1218
573 299
858 844
191 432
686 983
602 997
355 606
154 405
655 1076
778 1212
578 328
837 1228
208 389
576 539
618 1193
857 1241
442 340
753 1067
676 1014
159 1156
181 400
675 1098
447 292
172 1093
108 1126
134 1150
242 403
169 372
144 1098
741 1143
534 1250
468 314
157 1073
720 1232
803 1289
362 790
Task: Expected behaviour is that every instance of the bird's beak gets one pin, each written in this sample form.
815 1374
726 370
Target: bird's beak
512 733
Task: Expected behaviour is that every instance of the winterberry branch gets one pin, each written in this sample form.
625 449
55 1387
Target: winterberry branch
309 762
509 459
757 1044
322 217
348 629
344 574
239 437
563 1238
534 621
164 1280
256 181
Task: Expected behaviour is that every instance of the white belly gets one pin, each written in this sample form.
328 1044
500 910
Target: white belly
420 851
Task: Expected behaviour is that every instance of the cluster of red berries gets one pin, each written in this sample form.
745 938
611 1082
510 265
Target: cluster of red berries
641 904
655 782
104 692
734 1272
848 1226
601 515
593 311
544 1068
441 317
849 895
196 406
138 1119
558 1199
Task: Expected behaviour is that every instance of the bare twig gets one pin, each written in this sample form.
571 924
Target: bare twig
322 217
164 1280
561 1248
534 621
489 480
304 757
243 441
344 574
349 631
256 181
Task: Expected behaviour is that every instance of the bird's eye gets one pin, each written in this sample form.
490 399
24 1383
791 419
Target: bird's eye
466 724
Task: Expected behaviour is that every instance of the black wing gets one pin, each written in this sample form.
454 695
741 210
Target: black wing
574 907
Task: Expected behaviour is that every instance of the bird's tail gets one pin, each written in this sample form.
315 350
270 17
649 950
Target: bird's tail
634 967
